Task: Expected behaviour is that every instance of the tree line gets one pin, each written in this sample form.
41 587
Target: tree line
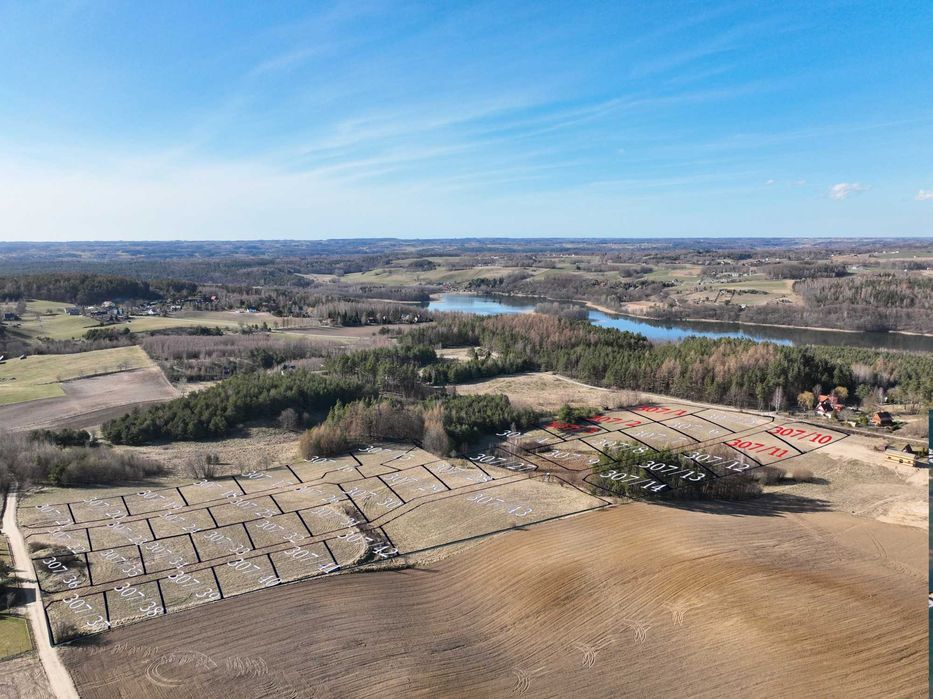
730 371
213 357
88 289
216 411
356 313
440 425
871 303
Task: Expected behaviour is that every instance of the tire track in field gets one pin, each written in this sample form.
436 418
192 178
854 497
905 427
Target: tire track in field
692 601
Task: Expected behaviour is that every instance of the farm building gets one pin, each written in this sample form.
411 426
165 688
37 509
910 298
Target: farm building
828 404
882 419
906 456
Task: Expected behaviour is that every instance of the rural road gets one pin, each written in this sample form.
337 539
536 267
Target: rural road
59 678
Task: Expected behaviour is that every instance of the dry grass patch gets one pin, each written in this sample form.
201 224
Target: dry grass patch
548 392
40 375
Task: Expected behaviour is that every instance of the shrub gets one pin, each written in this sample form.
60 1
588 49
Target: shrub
27 461
735 487
65 437
289 420
75 466
203 466
362 421
768 475
571 414
7 585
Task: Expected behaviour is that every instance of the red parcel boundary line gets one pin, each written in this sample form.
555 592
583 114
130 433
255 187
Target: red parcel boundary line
371 526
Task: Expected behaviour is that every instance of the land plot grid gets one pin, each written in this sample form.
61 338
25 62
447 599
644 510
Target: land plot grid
111 561
105 562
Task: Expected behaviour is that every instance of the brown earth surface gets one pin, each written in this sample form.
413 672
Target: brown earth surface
349 334
852 475
779 597
91 401
24 678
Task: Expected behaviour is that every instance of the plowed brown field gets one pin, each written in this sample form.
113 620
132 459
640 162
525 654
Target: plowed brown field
91 401
773 598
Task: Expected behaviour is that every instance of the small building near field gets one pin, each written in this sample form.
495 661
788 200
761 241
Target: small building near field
882 419
907 456
827 406
829 403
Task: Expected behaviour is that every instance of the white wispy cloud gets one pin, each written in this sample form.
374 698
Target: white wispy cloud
770 182
925 195
844 190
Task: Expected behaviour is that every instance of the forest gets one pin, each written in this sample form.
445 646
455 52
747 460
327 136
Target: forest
88 289
395 370
734 372
438 424
741 373
220 409
210 357
876 303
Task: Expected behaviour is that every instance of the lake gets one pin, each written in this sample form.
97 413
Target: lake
668 331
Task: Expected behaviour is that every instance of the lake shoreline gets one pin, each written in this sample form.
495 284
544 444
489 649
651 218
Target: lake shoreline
758 332
609 311
815 328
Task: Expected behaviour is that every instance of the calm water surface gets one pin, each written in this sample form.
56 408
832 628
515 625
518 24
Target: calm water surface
666 331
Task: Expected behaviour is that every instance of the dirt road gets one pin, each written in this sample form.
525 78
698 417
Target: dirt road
58 675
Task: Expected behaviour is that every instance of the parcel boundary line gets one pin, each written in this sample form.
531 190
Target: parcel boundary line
389 473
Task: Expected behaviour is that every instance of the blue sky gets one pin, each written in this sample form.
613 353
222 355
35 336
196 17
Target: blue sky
139 120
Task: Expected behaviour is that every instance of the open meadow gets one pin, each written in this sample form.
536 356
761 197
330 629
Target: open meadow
49 319
43 375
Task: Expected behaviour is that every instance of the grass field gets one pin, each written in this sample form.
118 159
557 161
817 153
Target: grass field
14 636
49 319
750 291
436 276
675 273
40 376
